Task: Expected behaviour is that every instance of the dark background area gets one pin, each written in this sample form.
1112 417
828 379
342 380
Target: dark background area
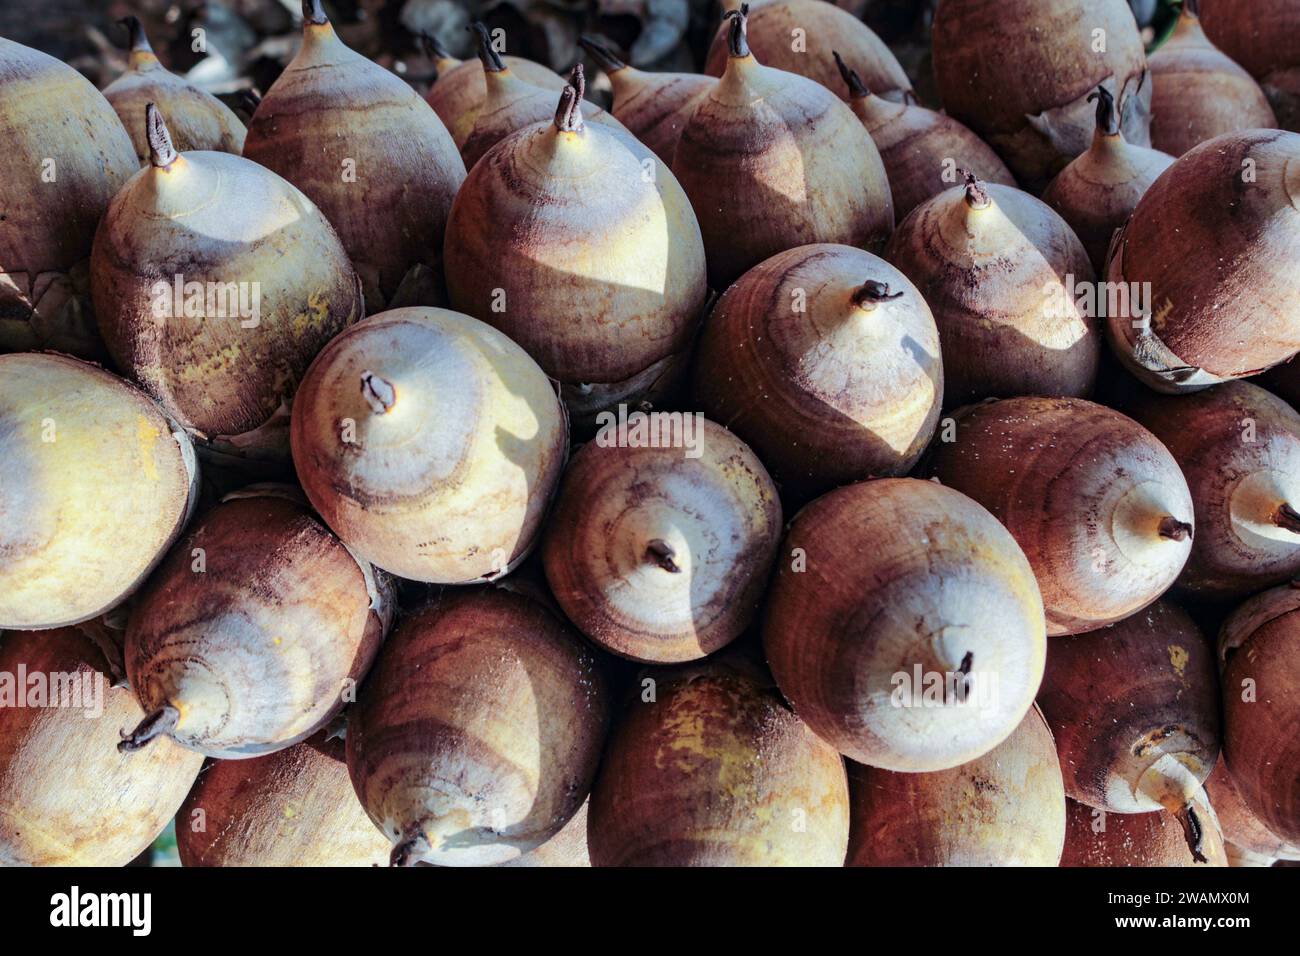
248 42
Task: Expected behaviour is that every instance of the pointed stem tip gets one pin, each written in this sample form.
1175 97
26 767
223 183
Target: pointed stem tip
490 58
432 46
977 197
602 54
738 35
568 115
1107 115
161 721
959 691
857 89
379 393
161 151
139 40
1287 518
661 553
1193 831
578 80
871 293
313 12
1173 529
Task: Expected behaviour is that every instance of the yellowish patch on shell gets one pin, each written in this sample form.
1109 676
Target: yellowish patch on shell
1178 656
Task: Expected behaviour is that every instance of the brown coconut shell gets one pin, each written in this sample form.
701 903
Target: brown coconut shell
1197 92
1098 504
67 797
1099 189
1098 838
1259 664
255 630
95 484
366 149
1217 237
294 807
1264 37
661 554
1000 269
709 767
196 118
1006 808
1239 448
430 443
1019 74
887 588
799 35
826 360
477 737
773 160
1241 828
219 222
1134 707
922 150
567 219
65 154
654 107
